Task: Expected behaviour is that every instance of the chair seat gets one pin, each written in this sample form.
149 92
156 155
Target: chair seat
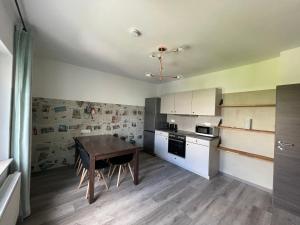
120 160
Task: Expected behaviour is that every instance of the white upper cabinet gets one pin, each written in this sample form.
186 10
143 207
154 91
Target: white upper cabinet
183 103
206 102
199 102
167 104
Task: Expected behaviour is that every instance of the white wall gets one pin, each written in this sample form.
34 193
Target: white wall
290 66
254 171
7 22
257 76
54 79
5 99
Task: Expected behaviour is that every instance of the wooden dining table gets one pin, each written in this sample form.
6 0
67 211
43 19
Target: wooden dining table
105 147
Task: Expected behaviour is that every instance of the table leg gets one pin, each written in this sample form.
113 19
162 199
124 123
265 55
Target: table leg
136 167
91 179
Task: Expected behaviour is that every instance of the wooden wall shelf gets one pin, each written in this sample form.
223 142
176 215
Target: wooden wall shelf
248 130
246 106
248 154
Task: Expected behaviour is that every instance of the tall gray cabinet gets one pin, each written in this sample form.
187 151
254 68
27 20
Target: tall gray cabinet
286 190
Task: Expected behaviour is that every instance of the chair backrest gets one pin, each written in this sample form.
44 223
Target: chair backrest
123 138
76 143
84 156
132 142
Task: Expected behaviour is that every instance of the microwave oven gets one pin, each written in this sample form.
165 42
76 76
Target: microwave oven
208 131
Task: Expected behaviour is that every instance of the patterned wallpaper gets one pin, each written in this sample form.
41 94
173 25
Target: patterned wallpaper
55 122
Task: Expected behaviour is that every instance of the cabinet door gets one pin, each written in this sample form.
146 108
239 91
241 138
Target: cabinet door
197 159
204 102
161 146
286 185
177 160
167 104
183 103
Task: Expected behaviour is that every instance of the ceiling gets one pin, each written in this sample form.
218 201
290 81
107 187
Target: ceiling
220 34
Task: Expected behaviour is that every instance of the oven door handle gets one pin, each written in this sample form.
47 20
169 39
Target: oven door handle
170 139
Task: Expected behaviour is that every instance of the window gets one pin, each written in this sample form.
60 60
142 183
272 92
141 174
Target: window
5 100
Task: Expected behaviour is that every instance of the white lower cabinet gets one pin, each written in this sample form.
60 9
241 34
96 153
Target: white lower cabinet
197 159
177 160
161 144
201 156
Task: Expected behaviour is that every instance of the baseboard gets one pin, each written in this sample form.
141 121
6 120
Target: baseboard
247 182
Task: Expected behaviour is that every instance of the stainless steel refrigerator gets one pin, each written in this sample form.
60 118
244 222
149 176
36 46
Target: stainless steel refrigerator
153 120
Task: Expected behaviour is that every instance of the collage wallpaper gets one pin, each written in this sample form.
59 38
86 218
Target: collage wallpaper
55 122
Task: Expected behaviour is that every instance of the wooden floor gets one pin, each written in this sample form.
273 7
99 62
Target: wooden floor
166 194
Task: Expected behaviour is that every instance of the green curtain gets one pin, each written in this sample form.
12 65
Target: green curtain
21 115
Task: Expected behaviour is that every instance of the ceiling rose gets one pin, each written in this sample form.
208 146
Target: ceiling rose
135 32
162 51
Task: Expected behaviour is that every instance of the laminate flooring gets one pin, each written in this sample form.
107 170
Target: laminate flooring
167 194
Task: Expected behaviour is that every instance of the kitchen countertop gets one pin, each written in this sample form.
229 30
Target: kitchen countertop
188 134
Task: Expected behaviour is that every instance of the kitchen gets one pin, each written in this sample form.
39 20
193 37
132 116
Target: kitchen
194 151
196 129
149 112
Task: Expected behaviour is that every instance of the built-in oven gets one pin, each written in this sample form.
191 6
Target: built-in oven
177 145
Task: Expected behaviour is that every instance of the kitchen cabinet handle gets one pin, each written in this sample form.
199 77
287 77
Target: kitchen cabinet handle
176 140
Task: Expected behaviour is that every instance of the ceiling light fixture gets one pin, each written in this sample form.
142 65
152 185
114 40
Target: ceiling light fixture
148 74
159 55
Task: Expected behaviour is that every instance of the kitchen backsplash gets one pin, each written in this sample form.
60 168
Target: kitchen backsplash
55 122
188 123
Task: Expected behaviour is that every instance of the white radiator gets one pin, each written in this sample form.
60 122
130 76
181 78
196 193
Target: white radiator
10 199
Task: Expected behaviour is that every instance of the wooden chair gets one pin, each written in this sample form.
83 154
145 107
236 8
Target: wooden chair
85 159
78 163
123 162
